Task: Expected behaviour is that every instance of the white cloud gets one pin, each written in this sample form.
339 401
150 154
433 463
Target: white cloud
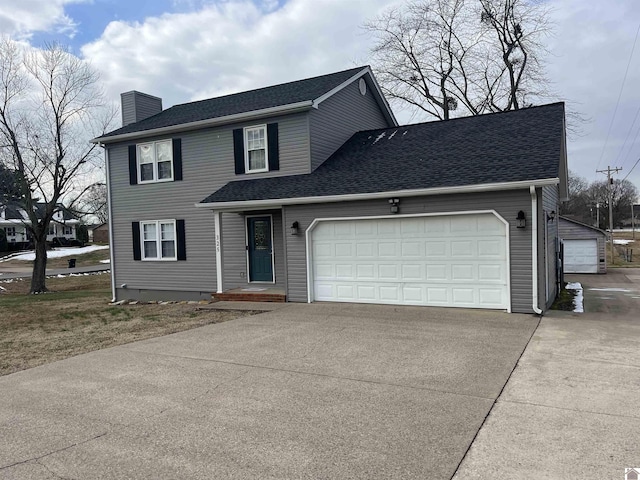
20 18
232 46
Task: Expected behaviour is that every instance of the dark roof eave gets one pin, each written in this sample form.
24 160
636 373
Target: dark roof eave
278 202
210 122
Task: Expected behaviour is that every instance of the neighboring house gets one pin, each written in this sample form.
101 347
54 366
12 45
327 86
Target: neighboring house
99 233
311 189
583 247
14 220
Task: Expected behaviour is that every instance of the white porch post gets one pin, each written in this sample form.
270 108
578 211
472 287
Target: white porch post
216 217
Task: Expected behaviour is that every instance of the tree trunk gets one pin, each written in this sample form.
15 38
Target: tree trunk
39 266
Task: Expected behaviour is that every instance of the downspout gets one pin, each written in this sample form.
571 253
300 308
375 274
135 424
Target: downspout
111 246
534 248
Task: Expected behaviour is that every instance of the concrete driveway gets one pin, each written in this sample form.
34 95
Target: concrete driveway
308 391
571 407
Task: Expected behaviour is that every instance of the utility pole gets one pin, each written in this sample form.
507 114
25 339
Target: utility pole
608 172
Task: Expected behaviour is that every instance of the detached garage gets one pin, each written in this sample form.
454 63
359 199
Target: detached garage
583 247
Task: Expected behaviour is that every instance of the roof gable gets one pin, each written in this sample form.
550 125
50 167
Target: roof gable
262 99
517 146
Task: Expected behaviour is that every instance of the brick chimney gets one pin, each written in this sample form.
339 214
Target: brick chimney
137 106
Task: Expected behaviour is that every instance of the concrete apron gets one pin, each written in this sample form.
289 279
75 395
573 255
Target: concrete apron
309 391
570 409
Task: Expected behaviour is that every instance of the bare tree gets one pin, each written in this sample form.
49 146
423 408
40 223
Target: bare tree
50 106
514 73
476 56
95 202
419 53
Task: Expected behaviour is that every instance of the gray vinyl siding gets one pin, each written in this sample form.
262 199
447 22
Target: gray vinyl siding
339 117
137 106
234 251
507 204
573 231
548 256
207 158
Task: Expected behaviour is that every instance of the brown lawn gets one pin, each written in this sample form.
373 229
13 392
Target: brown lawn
76 318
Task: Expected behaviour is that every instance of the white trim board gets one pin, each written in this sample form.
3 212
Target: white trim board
279 202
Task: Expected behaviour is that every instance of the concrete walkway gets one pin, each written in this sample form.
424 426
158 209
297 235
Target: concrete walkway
320 391
572 406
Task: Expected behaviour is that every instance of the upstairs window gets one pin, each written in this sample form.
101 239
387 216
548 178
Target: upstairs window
10 231
67 230
255 141
155 162
256 148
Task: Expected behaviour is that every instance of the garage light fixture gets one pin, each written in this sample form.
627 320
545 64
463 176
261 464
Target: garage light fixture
295 228
395 208
521 220
551 216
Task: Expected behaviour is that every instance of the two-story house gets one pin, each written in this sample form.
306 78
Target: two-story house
14 220
310 190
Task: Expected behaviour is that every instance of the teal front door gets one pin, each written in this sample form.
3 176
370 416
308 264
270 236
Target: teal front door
260 249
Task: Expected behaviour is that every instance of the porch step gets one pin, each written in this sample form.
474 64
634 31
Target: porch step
238 295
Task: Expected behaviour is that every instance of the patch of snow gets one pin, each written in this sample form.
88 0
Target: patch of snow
380 137
578 300
61 252
391 136
404 133
621 241
105 261
3 289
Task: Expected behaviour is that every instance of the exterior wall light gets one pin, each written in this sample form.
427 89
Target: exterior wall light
394 202
295 228
551 216
521 220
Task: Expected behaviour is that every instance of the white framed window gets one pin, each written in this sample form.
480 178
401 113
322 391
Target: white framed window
10 231
155 162
158 240
52 229
67 230
256 158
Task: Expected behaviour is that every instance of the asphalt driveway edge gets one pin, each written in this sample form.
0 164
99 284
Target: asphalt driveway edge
484 420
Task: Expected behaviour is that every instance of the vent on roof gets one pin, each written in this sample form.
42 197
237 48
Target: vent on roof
137 106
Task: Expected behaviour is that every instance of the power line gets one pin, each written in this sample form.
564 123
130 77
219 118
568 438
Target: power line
604 147
634 166
627 137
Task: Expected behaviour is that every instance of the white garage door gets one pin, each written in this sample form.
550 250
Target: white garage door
581 256
452 260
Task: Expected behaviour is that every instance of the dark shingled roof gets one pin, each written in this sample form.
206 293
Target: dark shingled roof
274 96
521 145
13 209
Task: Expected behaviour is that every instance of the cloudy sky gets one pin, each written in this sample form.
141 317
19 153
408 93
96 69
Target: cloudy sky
184 50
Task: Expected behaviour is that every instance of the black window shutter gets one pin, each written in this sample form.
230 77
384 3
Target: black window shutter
272 143
177 159
133 166
238 149
135 230
181 247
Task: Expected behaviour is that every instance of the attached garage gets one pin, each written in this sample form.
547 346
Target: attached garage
459 260
583 247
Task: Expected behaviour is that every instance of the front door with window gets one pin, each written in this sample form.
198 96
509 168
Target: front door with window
260 249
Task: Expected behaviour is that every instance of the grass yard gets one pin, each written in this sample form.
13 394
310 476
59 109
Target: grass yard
76 318
621 258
